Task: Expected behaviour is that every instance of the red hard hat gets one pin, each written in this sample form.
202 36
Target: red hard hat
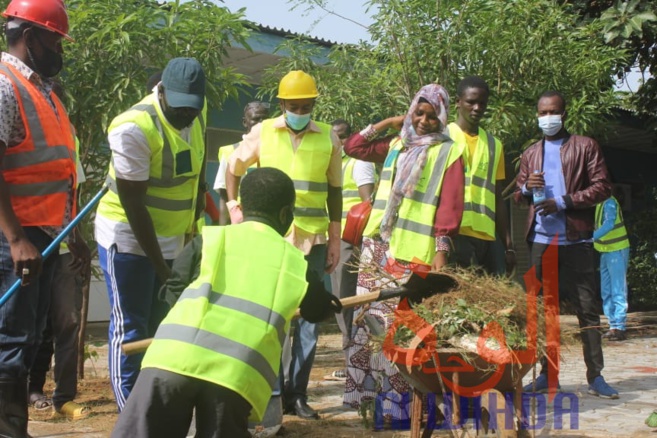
49 14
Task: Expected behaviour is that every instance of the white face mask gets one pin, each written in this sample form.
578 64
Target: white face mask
550 125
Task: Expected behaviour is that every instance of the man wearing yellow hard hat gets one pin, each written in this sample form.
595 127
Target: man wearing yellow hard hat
309 152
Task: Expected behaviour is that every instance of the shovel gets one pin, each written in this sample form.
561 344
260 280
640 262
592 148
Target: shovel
59 239
418 286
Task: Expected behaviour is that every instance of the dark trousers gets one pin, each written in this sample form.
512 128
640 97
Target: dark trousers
62 329
486 254
344 281
578 291
22 320
161 404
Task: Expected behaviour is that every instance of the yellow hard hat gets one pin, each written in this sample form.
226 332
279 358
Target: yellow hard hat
297 85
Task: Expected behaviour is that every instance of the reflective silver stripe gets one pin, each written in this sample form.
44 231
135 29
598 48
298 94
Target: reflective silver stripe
478 208
261 312
614 240
40 188
351 194
41 153
344 214
386 175
218 344
168 183
379 204
481 182
429 196
491 157
156 202
37 156
409 225
310 186
344 168
168 204
310 212
618 225
167 154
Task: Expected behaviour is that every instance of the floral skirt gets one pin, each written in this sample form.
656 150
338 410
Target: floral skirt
372 380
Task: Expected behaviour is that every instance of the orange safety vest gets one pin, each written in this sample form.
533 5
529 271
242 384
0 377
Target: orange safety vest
40 169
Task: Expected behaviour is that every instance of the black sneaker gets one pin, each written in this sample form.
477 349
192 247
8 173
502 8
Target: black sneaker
618 335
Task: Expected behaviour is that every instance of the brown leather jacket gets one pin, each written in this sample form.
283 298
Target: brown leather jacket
586 177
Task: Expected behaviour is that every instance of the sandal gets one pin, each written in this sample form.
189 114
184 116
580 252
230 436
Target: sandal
39 401
73 411
338 375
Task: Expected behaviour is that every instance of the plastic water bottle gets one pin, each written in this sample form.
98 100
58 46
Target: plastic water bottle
538 192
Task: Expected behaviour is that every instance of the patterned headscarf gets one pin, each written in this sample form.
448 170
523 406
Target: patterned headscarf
411 164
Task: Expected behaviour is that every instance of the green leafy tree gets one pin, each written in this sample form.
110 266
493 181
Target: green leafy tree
631 25
119 44
521 47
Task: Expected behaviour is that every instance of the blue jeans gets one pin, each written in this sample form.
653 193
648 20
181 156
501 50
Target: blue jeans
613 267
23 317
305 338
132 287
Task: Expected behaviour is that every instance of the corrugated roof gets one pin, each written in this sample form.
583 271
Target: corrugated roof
288 33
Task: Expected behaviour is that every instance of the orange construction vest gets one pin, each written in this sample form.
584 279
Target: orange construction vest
39 171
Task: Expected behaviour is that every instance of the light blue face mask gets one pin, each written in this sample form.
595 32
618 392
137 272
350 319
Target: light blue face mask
296 121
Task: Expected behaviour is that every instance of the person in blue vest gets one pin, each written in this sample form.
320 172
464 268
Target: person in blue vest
228 326
610 240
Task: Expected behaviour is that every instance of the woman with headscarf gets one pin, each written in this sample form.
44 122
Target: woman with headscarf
417 209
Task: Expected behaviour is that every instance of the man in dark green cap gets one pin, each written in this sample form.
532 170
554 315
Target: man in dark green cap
157 187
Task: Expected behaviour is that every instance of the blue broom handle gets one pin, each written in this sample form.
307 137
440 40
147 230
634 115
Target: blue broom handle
58 240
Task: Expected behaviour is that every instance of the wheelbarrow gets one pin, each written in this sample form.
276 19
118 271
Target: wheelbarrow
453 374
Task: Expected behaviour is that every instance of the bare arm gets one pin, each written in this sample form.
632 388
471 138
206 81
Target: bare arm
365 191
133 199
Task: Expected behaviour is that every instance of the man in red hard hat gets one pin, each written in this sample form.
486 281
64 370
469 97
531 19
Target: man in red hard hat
37 190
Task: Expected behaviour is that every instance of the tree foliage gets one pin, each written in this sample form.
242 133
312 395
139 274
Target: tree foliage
119 44
521 47
631 25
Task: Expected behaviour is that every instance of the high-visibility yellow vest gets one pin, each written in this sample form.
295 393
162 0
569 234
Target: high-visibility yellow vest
229 325
616 239
479 195
413 235
226 151
307 167
350 195
174 170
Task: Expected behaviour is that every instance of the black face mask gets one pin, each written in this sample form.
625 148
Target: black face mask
50 63
177 120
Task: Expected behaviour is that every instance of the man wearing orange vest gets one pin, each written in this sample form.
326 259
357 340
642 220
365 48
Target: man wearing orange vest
37 190
310 153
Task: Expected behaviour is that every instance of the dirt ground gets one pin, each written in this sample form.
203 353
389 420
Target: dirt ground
324 395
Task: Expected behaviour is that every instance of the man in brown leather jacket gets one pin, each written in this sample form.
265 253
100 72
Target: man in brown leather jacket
563 176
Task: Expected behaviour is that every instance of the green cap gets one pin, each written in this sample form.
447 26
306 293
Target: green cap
184 83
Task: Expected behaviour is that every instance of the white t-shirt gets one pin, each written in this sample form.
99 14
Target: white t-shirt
363 173
131 157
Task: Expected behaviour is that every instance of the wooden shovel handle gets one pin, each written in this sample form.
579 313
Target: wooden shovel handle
347 303
136 346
